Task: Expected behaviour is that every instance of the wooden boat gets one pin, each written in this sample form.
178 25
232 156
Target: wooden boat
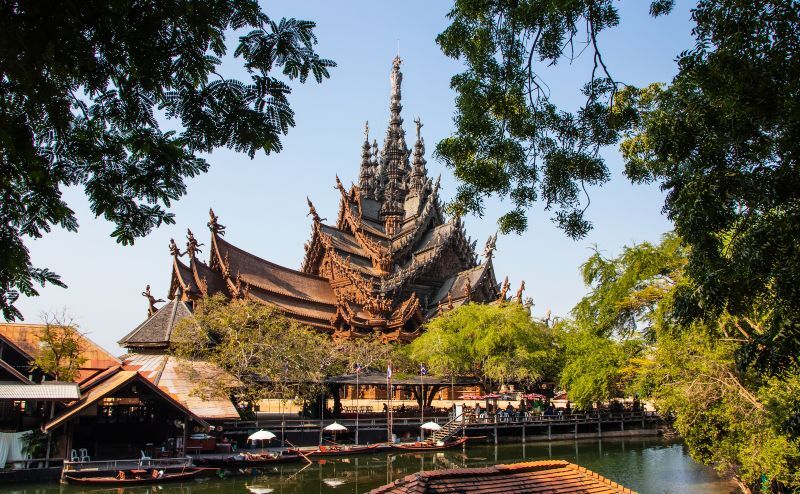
340 450
145 477
429 446
247 461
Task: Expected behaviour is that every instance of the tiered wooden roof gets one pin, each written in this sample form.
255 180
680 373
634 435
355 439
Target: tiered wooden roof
390 261
542 477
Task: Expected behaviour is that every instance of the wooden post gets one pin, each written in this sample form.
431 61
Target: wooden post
523 433
495 429
599 429
185 433
549 431
576 429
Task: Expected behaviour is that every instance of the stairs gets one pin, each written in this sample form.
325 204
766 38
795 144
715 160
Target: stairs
448 430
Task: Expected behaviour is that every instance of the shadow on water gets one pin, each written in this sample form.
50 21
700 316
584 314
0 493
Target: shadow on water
646 465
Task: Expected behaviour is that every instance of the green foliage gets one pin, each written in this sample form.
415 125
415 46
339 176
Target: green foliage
496 343
722 140
268 353
733 421
60 348
597 368
510 138
625 292
80 87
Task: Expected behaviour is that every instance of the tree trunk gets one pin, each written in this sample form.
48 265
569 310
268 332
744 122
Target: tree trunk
430 392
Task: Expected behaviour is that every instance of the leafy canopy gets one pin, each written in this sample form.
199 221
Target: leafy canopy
723 140
510 138
61 347
267 353
80 91
495 343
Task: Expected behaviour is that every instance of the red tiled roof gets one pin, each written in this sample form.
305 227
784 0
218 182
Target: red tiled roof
544 477
27 338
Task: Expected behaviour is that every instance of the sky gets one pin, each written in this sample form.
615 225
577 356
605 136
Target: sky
262 201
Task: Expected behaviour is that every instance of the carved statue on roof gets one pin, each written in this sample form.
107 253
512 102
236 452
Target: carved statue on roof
173 248
192 245
504 290
151 301
468 290
214 225
312 211
518 297
491 245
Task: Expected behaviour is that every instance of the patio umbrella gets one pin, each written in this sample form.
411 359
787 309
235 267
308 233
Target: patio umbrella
335 427
333 482
470 397
259 490
535 396
261 435
430 426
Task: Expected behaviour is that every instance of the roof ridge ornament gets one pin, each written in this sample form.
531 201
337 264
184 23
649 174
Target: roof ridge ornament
491 246
151 301
174 250
192 245
214 225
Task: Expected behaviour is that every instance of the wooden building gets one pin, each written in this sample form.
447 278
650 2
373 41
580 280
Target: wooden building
389 261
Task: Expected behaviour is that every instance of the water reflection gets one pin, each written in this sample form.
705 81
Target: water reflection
644 465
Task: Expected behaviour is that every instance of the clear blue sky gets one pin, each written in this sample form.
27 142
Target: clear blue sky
262 201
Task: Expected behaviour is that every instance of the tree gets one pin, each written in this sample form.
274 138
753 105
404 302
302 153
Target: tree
61 346
510 138
741 421
82 90
267 353
626 292
597 368
495 343
722 140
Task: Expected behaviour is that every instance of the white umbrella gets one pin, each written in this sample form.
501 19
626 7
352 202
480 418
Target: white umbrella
333 482
261 435
260 490
431 426
335 427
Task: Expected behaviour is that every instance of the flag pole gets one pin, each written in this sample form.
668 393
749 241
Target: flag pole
389 402
358 371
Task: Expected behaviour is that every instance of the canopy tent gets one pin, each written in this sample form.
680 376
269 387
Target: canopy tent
335 427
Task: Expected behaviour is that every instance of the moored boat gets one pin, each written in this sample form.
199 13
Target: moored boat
247 460
429 446
140 477
342 450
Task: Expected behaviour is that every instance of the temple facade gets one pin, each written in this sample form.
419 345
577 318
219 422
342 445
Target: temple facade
390 261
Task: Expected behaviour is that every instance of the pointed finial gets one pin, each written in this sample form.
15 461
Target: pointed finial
419 127
213 223
312 211
192 245
519 292
366 132
488 251
504 290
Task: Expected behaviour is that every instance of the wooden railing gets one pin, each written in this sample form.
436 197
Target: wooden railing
471 419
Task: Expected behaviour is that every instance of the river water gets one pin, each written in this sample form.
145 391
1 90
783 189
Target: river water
646 465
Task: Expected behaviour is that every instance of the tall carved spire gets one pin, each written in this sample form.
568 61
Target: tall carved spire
365 181
419 173
395 158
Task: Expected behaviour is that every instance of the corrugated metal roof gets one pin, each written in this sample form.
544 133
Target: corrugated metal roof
183 379
59 391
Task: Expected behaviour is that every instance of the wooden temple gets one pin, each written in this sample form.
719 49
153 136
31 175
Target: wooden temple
389 261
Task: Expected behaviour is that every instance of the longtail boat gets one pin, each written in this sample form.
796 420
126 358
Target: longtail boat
340 450
145 478
247 461
429 446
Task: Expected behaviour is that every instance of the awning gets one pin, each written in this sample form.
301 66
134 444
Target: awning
52 391
107 387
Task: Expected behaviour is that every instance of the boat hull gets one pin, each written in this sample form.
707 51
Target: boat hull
167 477
429 447
233 463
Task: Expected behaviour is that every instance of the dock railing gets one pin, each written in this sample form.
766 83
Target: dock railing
129 464
499 418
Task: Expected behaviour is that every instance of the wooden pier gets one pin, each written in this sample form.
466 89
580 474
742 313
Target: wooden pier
496 428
